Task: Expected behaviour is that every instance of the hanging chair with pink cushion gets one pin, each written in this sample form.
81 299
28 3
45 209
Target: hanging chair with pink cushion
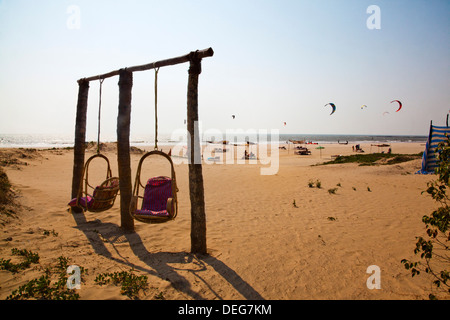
100 198
159 200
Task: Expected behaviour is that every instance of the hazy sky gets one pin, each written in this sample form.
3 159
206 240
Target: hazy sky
274 62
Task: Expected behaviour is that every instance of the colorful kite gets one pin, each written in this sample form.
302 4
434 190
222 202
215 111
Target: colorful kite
332 106
399 103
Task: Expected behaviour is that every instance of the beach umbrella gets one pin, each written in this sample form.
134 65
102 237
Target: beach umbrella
320 148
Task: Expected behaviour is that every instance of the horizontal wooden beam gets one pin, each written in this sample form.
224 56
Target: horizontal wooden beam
163 63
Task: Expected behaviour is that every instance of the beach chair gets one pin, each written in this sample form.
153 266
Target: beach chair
159 202
303 151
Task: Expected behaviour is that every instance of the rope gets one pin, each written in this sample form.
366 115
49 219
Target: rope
156 108
99 113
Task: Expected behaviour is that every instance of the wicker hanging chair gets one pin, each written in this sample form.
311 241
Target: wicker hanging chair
101 197
157 203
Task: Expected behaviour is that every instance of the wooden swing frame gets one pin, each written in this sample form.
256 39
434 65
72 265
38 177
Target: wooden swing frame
196 189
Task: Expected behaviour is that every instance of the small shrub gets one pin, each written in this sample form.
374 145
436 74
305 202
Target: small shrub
159 296
48 233
29 256
43 288
318 184
130 283
434 250
332 191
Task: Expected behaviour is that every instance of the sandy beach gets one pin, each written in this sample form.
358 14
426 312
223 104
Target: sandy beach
261 245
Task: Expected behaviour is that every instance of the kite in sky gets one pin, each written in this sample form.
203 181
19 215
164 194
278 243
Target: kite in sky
332 106
399 103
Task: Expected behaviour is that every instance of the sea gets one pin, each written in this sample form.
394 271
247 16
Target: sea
49 141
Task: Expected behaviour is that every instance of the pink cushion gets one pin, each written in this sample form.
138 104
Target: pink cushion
73 202
162 213
156 193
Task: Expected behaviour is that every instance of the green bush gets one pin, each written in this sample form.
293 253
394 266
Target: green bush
130 283
371 159
42 289
434 249
46 287
29 256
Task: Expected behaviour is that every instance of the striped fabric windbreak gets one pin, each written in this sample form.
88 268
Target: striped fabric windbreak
430 156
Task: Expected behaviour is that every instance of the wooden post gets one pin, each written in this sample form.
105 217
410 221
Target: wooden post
80 139
198 216
123 148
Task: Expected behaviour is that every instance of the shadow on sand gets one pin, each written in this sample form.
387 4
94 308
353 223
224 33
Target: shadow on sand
161 264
